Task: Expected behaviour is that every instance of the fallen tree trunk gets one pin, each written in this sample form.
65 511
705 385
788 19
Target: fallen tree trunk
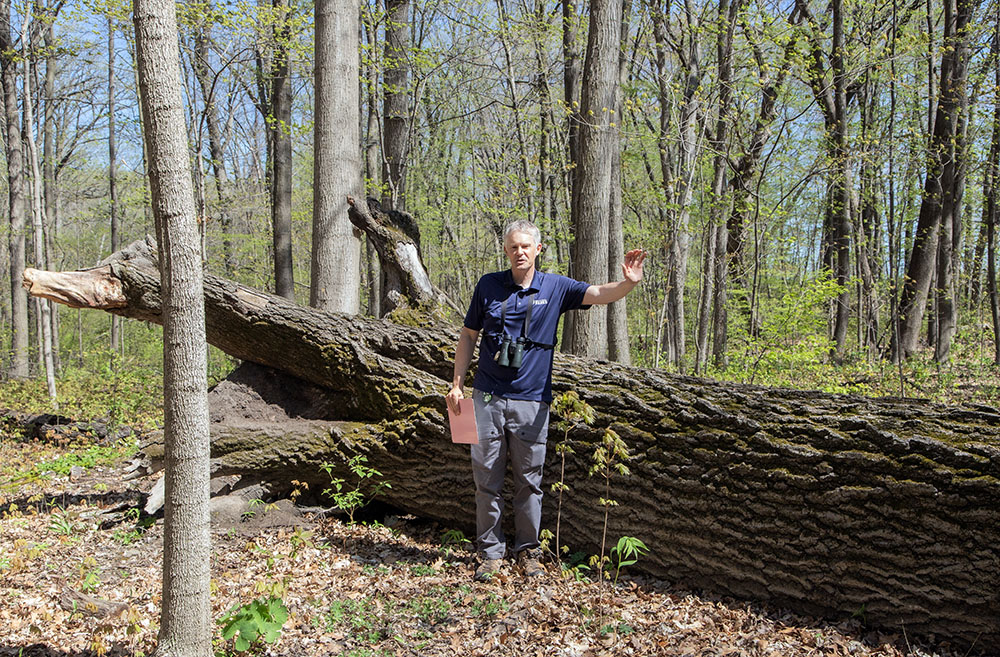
829 504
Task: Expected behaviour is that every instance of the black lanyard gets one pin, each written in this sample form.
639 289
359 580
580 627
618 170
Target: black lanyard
527 315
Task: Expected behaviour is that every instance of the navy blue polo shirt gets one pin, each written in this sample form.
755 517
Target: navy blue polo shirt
554 295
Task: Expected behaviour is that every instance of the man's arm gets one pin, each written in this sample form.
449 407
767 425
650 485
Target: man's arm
463 358
610 292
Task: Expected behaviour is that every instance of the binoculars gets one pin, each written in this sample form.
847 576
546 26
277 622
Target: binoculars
510 352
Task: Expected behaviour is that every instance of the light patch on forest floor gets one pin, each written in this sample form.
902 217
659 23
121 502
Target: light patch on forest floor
359 591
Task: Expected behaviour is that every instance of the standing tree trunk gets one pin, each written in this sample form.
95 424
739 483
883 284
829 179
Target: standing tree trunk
116 323
618 342
592 193
281 172
571 93
940 172
373 181
185 619
991 176
42 306
336 247
678 181
951 215
15 196
571 108
746 170
51 189
832 101
395 103
206 82
715 247
840 194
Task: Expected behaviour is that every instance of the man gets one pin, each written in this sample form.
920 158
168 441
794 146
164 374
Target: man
517 311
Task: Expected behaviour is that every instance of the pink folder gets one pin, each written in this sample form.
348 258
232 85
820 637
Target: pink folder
463 427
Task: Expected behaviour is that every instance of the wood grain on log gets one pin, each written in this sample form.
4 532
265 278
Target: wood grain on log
828 504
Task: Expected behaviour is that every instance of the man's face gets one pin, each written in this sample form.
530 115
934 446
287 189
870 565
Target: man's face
521 249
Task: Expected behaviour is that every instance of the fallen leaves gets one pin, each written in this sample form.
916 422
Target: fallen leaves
380 591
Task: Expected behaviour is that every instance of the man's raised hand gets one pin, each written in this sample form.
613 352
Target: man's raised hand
632 267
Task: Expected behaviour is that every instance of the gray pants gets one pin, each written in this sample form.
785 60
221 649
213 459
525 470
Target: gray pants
518 428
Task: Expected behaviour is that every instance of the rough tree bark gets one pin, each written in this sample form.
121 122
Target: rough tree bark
336 249
185 616
587 334
937 179
281 165
15 196
823 503
396 103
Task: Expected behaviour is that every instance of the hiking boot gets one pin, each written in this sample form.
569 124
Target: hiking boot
530 562
486 570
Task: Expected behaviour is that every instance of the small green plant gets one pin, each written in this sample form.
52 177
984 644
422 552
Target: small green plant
573 411
259 621
621 629
367 619
433 608
90 575
372 571
422 570
62 524
451 540
608 458
300 539
129 536
347 498
626 553
491 605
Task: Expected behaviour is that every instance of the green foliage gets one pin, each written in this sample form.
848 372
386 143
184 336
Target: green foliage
491 605
259 621
117 391
573 411
791 340
608 459
351 498
453 538
626 553
88 457
90 575
62 524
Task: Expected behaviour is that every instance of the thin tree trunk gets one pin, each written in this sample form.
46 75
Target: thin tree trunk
571 94
51 189
396 103
206 82
185 619
336 247
281 173
42 305
714 250
15 197
116 324
618 342
373 167
840 201
951 219
991 176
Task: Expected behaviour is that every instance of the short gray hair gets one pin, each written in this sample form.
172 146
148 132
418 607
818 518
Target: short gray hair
523 226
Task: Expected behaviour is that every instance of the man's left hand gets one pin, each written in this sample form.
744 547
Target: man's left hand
632 267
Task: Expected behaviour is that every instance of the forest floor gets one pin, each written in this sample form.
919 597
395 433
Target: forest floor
400 586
